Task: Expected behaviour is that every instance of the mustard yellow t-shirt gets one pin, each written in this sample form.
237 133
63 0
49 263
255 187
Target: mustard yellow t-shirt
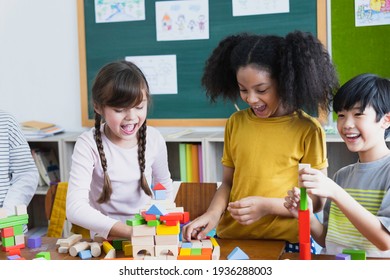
265 154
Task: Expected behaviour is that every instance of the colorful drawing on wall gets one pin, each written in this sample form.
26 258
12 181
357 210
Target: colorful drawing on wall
119 10
372 12
250 7
160 72
182 20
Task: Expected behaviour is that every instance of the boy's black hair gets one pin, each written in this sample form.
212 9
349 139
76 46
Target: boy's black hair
368 90
299 63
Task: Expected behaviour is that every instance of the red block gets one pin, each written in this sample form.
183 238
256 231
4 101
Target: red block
304 251
304 226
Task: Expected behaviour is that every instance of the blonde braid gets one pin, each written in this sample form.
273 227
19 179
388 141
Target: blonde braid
107 188
141 158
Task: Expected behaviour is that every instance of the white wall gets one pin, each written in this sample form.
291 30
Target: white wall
39 68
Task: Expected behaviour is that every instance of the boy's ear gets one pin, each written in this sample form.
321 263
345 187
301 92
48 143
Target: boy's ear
386 121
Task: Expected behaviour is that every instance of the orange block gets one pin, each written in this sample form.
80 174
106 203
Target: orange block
194 257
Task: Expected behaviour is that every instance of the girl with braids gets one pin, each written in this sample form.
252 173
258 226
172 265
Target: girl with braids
279 78
115 163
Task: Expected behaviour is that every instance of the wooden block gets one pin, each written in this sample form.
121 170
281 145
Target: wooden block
343 257
143 230
142 240
7 232
172 239
303 202
141 250
107 247
85 254
237 254
95 249
71 240
78 247
304 226
194 257
305 251
19 239
355 254
185 251
168 230
165 250
21 209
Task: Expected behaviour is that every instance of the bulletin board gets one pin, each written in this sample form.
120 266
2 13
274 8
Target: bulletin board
100 43
358 49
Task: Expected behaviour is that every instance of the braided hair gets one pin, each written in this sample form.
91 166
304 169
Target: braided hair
119 84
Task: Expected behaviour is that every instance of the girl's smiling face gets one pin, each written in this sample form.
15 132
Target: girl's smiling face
259 91
122 124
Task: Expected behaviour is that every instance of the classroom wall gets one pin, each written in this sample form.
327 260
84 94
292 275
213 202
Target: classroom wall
39 68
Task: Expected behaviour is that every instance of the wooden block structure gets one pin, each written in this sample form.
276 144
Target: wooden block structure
156 233
304 222
12 236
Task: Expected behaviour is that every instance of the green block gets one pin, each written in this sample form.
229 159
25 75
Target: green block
14 221
196 251
8 241
18 230
135 222
45 255
303 201
117 244
355 254
153 223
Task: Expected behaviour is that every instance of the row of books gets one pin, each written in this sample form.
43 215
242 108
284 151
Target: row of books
47 164
38 129
191 168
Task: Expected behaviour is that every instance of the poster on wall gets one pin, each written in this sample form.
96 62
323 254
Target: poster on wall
119 10
372 12
250 7
159 70
182 20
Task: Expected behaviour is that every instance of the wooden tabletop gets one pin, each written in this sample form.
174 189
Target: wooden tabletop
255 249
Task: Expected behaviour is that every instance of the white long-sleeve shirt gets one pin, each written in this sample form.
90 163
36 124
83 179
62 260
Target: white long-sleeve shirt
86 181
18 173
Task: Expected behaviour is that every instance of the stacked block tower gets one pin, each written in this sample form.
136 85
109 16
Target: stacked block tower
304 222
157 228
11 227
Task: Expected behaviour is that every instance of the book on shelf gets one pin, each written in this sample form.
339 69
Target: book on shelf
38 129
183 162
47 164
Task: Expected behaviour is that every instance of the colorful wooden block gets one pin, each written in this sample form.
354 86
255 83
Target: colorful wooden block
34 242
355 254
237 254
343 257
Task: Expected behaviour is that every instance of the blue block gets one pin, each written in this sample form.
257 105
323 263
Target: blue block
343 257
34 242
86 254
237 254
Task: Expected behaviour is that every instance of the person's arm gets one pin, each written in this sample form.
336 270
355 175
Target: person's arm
368 224
199 228
319 202
23 172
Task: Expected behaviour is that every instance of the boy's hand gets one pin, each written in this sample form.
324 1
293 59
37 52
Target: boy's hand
317 183
247 210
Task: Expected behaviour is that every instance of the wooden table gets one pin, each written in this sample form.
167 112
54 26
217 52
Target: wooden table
255 249
295 256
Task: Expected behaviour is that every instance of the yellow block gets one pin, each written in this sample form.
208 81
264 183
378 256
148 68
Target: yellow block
214 242
107 246
166 230
185 252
